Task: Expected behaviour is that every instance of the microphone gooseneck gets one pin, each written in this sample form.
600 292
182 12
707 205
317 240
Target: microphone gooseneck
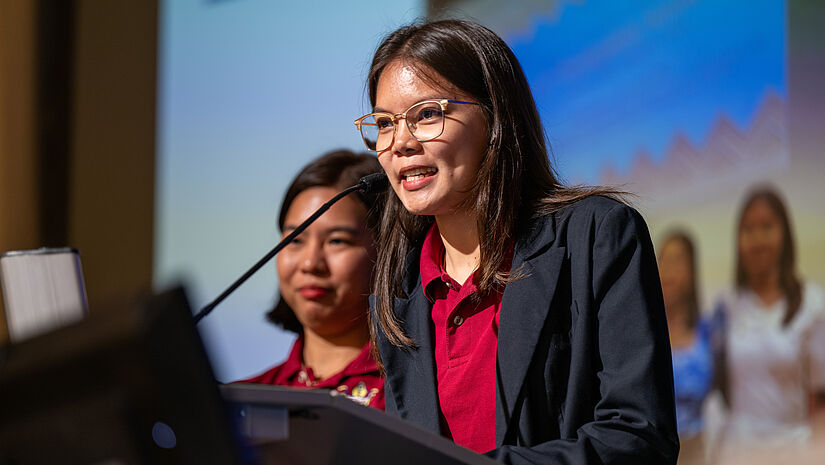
374 183
370 184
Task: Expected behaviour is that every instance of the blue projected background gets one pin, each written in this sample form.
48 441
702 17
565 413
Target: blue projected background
612 78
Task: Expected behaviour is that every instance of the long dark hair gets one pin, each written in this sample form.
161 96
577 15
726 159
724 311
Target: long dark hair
338 169
788 281
692 317
515 181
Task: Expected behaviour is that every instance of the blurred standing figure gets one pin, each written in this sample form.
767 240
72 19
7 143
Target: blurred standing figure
774 349
689 340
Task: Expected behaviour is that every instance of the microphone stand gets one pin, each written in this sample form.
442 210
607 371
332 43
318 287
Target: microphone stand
371 183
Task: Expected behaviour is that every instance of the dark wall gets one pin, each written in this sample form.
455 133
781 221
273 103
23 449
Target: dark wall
77 136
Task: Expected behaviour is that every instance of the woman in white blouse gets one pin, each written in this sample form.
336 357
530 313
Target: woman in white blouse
773 350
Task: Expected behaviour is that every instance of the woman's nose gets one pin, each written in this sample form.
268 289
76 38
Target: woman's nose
312 258
404 143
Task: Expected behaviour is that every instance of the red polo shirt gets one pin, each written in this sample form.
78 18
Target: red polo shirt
465 340
359 380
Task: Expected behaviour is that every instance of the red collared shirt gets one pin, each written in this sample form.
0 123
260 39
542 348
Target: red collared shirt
359 380
465 340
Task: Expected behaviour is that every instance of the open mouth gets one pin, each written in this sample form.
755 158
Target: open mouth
416 174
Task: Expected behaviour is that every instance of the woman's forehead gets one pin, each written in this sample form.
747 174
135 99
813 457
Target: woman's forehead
760 209
348 209
412 82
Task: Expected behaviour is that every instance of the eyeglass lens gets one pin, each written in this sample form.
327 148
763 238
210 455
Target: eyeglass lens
424 120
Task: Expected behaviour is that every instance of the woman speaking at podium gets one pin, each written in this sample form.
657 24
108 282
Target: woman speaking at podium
324 277
515 315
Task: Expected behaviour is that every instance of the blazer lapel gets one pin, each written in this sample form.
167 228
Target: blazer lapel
411 372
524 308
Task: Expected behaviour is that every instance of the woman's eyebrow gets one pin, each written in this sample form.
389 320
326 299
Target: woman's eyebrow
381 110
345 229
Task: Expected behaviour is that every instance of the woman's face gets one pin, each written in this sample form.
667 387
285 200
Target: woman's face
675 272
325 273
432 177
760 240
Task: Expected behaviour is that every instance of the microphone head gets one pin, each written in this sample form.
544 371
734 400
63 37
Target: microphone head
374 183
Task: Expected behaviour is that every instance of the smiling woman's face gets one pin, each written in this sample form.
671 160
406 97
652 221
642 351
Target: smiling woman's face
432 177
760 240
325 273
676 273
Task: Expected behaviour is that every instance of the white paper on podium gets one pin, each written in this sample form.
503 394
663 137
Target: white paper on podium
42 290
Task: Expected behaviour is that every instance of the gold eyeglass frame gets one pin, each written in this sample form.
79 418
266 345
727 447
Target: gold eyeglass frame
396 117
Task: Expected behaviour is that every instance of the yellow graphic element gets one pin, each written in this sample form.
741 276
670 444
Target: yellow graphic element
360 390
373 392
361 395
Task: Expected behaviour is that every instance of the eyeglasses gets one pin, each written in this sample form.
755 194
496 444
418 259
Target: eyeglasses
425 120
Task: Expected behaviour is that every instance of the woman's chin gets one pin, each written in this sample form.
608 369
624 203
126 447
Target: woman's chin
420 208
312 314
330 329
418 211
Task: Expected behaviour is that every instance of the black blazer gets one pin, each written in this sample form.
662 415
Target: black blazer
584 370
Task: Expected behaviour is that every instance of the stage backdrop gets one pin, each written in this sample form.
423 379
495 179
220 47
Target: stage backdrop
687 103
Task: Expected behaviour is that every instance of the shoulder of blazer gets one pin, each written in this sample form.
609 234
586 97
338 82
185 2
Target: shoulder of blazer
589 211
567 224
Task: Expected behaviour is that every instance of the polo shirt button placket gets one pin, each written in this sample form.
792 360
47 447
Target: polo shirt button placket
458 320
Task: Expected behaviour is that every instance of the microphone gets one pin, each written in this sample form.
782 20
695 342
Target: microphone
370 184
374 183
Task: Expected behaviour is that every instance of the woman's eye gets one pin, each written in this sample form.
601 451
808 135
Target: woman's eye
383 124
297 240
340 241
429 114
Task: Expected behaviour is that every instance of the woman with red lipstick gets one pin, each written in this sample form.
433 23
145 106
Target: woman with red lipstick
520 317
325 276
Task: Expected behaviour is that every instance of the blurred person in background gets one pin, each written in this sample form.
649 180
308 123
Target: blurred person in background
325 278
690 342
774 346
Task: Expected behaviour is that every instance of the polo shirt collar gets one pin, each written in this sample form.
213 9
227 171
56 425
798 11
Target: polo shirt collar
432 256
434 277
292 365
363 364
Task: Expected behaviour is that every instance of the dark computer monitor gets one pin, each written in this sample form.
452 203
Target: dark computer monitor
131 385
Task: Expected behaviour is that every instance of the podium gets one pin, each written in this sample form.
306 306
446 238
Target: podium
314 427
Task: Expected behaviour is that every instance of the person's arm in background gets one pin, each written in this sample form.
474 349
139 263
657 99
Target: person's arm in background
717 403
815 354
